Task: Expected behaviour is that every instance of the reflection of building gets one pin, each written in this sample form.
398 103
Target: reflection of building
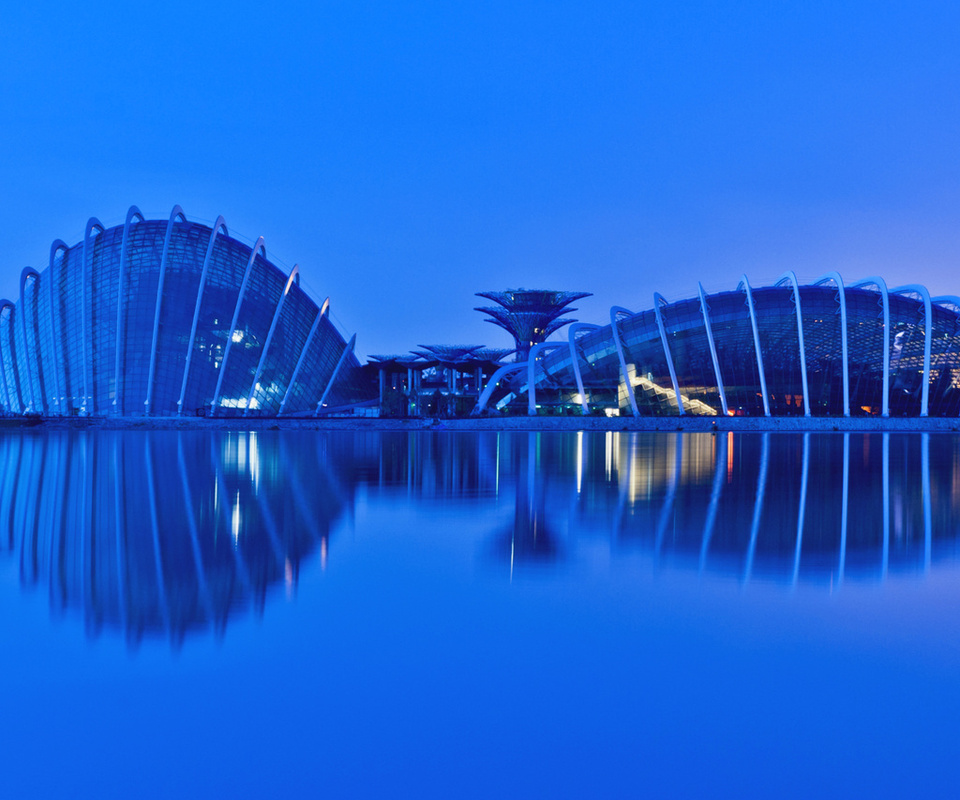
424 465
164 533
165 317
167 533
787 349
529 539
788 506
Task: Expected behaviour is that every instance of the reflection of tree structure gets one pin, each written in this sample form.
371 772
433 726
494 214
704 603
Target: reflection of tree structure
429 465
163 532
529 539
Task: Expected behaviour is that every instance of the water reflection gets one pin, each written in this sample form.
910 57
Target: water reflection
780 506
530 538
164 533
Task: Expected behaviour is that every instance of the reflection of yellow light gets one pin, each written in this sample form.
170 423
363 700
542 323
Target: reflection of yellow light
579 460
235 521
729 456
288 577
612 412
608 453
578 399
237 336
254 461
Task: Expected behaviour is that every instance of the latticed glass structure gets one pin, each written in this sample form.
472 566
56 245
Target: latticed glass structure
169 317
820 349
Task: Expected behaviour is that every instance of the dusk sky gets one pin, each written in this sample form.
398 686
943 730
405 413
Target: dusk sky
407 155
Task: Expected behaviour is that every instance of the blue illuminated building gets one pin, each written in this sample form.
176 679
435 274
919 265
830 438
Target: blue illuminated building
166 318
818 349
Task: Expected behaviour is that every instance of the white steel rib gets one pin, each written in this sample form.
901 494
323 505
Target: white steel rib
575 359
616 312
343 357
845 355
658 301
705 313
118 372
540 347
30 357
258 247
294 276
745 285
151 375
303 353
791 277
219 225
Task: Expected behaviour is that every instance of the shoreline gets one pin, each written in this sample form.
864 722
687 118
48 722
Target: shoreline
535 424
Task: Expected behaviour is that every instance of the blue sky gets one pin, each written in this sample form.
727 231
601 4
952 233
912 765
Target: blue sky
409 154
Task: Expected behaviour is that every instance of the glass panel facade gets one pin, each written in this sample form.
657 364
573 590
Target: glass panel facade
10 368
779 336
289 337
644 356
690 350
59 347
257 308
865 335
822 337
906 355
49 363
69 272
945 364
25 369
323 353
780 348
188 246
736 352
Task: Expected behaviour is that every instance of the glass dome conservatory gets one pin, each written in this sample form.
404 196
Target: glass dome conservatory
791 349
166 318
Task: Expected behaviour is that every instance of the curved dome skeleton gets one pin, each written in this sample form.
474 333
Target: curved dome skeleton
165 318
820 349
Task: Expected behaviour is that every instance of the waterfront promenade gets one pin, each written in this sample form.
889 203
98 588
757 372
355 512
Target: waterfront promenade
518 423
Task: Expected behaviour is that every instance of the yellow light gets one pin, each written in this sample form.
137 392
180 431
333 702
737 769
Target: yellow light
235 521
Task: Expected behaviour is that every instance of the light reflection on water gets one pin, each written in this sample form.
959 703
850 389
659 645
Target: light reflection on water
479 615
168 532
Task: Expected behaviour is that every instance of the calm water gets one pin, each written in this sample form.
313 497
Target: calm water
448 615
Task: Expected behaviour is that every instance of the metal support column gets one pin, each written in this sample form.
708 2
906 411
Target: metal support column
745 285
616 312
705 312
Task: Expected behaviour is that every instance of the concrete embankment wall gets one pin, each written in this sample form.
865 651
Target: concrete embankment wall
785 424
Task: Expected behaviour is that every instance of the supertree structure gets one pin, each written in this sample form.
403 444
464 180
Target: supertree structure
529 315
